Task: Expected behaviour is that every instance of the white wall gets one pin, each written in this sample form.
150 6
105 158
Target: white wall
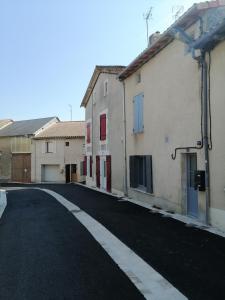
112 104
63 155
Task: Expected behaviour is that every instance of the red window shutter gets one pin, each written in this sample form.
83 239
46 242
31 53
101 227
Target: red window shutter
98 171
88 133
85 166
103 127
90 166
108 173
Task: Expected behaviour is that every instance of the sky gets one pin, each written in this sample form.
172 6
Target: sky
49 49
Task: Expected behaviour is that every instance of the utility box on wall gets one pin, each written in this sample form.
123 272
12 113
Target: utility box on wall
200 180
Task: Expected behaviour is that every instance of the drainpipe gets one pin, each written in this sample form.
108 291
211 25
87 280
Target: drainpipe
125 141
205 138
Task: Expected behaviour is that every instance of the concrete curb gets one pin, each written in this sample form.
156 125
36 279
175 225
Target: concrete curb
184 219
3 201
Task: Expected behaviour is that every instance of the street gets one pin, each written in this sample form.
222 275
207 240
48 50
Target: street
46 253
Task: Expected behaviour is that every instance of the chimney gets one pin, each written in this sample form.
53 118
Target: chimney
153 38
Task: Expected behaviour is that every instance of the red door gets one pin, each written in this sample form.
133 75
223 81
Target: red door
108 173
98 171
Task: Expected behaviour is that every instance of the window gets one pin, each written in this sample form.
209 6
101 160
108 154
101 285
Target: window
141 172
106 88
138 77
94 97
67 144
49 147
138 113
88 135
103 127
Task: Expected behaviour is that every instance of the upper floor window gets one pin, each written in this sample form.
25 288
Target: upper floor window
67 144
94 97
88 133
103 127
49 147
106 88
138 113
138 77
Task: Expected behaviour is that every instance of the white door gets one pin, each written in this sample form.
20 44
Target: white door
103 172
51 173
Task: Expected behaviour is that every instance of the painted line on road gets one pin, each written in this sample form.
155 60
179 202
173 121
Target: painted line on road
149 282
3 201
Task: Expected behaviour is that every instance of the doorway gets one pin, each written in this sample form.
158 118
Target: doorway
192 193
103 172
71 173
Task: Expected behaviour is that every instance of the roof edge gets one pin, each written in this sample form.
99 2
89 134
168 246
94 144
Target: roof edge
114 70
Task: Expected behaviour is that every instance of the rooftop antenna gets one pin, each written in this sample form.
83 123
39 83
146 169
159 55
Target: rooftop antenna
71 112
177 11
147 16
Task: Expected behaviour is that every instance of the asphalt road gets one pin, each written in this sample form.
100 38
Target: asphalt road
191 259
45 253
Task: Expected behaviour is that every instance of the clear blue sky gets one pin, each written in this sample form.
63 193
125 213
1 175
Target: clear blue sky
49 49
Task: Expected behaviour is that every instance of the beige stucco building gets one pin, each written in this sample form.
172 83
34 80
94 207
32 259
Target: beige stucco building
165 90
103 102
15 147
58 153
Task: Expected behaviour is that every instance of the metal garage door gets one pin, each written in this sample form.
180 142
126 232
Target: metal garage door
51 173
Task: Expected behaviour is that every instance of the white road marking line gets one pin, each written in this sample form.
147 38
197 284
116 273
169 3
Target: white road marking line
3 201
149 282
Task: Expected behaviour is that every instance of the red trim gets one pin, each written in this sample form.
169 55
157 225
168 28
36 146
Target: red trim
98 171
103 127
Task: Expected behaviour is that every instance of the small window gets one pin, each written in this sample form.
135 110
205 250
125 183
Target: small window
94 97
138 77
67 144
49 147
106 88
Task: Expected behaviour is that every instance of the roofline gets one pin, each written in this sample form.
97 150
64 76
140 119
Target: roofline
97 71
59 137
185 21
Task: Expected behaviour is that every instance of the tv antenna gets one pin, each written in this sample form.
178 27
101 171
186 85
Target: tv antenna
148 16
177 10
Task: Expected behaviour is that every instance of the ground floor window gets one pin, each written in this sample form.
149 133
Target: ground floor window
141 172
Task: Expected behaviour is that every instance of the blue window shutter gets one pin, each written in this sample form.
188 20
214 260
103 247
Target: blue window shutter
136 113
140 113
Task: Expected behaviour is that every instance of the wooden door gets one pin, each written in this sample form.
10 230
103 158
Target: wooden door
21 168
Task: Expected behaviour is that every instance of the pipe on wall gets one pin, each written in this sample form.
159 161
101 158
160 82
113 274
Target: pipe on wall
125 140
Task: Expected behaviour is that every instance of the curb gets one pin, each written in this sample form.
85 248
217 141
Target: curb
3 201
189 222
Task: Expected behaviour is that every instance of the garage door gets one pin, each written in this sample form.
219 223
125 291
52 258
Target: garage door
51 173
21 168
